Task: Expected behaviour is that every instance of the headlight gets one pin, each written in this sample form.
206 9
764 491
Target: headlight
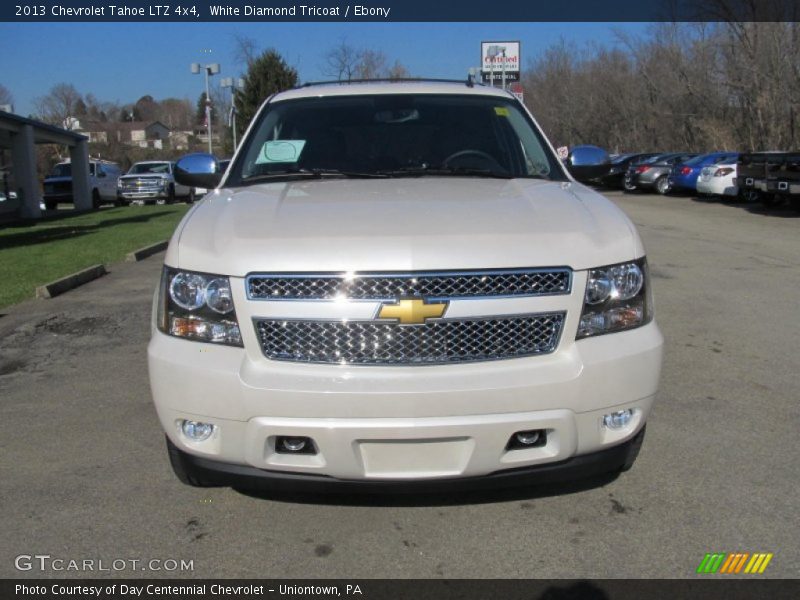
197 306
617 298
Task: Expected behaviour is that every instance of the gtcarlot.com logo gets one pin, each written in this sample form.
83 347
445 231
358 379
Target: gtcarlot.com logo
46 562
734 563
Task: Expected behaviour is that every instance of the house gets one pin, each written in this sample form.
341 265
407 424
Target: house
134 133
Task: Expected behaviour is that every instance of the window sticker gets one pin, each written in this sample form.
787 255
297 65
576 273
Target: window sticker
280 151
501 111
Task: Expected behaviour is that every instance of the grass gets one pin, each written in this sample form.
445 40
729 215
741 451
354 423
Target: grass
32 255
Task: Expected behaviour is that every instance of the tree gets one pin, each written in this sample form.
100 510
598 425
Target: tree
200 113
176 113
371 64
345 63
5 95
267 75
341 62
59 105
246 51
146 109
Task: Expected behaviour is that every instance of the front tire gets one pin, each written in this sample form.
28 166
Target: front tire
181 470
171 194
95 199
662 185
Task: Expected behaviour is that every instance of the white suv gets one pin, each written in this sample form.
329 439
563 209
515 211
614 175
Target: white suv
397 284
103 176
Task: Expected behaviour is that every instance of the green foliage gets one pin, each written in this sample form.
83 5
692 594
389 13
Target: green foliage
267 75
32 255
200 114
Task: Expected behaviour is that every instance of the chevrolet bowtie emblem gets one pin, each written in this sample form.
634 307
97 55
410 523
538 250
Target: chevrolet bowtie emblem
412 311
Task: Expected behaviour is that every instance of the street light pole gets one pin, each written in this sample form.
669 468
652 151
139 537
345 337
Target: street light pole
503 51
234 85
210 70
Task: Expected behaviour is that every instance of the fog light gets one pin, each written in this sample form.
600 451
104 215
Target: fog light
527 438
196 431
534 438
294 445
619 419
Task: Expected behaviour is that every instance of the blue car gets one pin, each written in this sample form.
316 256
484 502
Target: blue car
683 177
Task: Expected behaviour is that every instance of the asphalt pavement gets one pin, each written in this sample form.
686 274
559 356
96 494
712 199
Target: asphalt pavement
84 473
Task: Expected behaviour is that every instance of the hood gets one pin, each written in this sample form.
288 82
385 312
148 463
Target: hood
145 176
406 224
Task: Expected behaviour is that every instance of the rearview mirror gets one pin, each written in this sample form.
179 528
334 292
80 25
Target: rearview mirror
588 162
198 170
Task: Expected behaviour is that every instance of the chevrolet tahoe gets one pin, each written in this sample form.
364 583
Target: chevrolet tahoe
395 285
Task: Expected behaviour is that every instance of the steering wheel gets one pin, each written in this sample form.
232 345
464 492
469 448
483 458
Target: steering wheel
468 152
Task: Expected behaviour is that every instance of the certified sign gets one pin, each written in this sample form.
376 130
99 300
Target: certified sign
499 56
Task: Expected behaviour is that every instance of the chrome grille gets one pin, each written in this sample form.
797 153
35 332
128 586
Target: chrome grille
431 285
141 183
387 343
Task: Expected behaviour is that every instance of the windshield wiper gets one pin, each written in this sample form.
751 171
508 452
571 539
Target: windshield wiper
311 174
455 171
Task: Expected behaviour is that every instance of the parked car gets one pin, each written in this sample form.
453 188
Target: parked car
783 177
718 180
619 167
150 182
759 176
400 284
654 172
683 177
102 183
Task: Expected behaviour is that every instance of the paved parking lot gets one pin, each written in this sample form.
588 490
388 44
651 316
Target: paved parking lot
84 474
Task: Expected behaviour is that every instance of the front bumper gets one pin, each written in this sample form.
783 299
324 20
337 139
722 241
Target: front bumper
404 423
610 460
142 194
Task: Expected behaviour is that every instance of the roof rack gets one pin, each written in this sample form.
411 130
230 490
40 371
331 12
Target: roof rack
469 81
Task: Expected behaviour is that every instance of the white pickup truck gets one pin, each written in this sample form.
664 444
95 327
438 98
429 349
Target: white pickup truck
152 182
397 285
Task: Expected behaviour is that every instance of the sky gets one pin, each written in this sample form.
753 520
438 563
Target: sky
121 62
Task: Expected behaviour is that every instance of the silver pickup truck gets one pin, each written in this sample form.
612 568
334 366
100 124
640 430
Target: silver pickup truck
151 182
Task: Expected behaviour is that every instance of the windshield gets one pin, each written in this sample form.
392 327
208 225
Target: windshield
141 168
398 135
62 171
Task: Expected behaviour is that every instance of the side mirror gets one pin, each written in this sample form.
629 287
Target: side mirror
588 162
198 170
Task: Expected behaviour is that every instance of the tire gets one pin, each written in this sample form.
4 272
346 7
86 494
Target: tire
179 467
794 201
95 199
171 194
628 185
770 200
50 204
662 185
749 196
190 199
633 451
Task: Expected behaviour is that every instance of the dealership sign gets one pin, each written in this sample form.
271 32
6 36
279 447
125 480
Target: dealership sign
499 56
